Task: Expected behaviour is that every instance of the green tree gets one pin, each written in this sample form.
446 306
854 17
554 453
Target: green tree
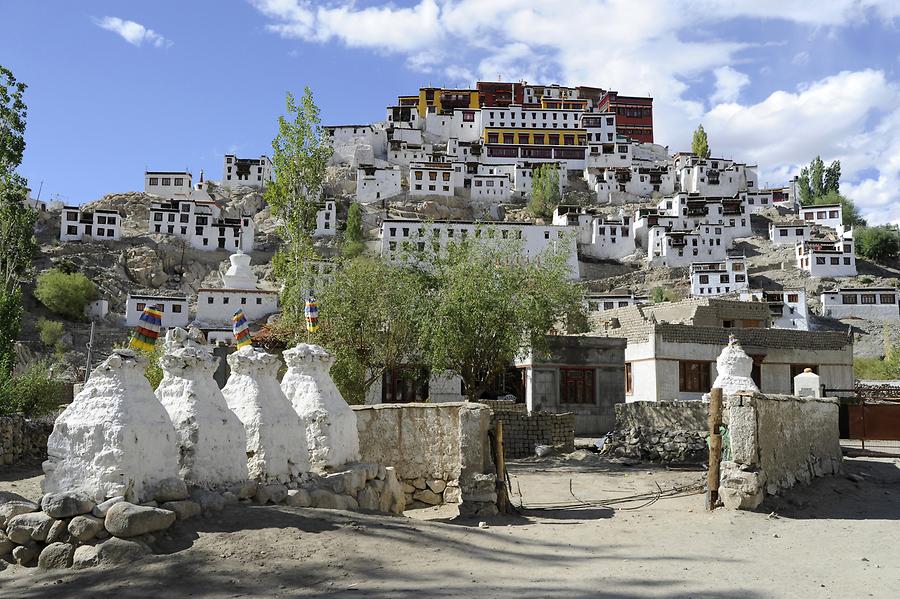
17 243
300 156
485 308
849 213
51 332
817 177
34 392
832 181
545 196
700 142
353 232
878 243
65 294
370 316
664 294
803 184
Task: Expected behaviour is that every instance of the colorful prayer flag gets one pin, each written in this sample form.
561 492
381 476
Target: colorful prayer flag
241 329
147 332
312 314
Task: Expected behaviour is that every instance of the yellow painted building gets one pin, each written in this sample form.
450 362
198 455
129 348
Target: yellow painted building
446 99
536 137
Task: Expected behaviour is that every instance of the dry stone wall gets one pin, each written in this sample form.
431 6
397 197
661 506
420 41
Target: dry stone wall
671 432
523 432
23 439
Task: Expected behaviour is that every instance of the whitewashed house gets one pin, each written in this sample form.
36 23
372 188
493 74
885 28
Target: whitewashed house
789 233
523 177
99 225
239 291
600 237
491 187
401 239
201 225
609 300
828 257
174 309
326 219
357 144
168 184
434 179
719 277
870 303
246 172
374 184
673 247
714 176
825 215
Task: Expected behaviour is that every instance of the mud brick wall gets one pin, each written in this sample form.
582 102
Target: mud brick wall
23 439
523 431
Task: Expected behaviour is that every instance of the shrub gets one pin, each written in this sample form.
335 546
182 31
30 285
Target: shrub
32 393
65 294
51 332
664 294
878 243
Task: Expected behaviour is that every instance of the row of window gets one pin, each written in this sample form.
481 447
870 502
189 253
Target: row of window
536 139
491 233
534 116
226 300
166 181
784 232
704 279
869 298
73 230
821 214
418 187
176 308
99 219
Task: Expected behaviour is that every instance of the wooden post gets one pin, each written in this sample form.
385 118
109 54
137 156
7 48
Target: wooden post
502 494
715 448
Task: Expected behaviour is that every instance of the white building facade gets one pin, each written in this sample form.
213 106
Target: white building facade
825 215
828 257
709 279
789 233
168 184
174 309
870 303
99 225
246 172
375 184
239 291
201 225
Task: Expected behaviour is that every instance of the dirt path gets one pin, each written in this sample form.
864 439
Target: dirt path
836 539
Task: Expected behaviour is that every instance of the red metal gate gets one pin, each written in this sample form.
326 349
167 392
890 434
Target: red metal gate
876 416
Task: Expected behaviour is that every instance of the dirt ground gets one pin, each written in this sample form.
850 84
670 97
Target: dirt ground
837 538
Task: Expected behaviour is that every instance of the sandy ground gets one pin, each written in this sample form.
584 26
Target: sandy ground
837 538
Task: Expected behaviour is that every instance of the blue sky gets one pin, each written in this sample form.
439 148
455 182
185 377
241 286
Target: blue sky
774 82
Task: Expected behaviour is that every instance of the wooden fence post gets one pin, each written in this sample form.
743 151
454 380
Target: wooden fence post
715 448
502 494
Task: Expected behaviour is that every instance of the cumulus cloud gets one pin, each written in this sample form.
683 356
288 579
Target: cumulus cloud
132 32
729 84
662 50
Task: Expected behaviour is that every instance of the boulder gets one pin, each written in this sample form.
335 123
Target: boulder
56 556
66 504
110 552
129 520
6 546
347 482
171 489
114 438
275 451
25 554
331 432
325 499
209 501
271 493
100 509
211 440
11 509
244 490
183 509
58 532
427 496
437 485
84 528
33 526
298 498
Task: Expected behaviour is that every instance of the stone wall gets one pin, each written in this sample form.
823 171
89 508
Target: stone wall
441 451
672 432
775 442
23 439
523 431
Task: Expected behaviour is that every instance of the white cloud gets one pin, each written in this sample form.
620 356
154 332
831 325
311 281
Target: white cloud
661 49
133 33
800 59
729 84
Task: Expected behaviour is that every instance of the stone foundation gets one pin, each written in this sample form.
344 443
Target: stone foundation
670 432
522 431
441 451
776 442
22 439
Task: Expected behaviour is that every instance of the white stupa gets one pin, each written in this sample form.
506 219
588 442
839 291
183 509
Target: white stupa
114 439
734 369
239 275
331 431
276 436
211 438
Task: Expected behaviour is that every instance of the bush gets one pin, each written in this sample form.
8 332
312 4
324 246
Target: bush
51 332
664 294
878 243
32 393
65 294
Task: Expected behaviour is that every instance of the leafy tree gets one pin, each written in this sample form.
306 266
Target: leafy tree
545 196
17 243
817 177
485 308
664 294
301 152
878 243
353 233
51 332
370 317
803 184
849 213
833 177
700 142
34 392
65 294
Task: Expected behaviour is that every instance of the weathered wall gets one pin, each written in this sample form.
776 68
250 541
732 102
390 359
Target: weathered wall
665 431
777 441
23 439
675 415
523 431
440 451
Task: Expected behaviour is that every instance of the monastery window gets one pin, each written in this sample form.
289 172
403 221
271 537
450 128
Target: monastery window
867 298
493 138
225 299
546 234
554 140
519 234
508 138
432 176
418 175
206 242
446 188
609 121
849 299
406 231
835 260
140 307
704 279
210 299
477 182
539 139
888 298
183 230
820 214
431 188
833 214
176 308
489 183
71 230
179 181
243 301
259 301
847 248
693 377
166 181
154 181
793 298
468 117
184 218
418 187
808 216
820 260
576 385
847 261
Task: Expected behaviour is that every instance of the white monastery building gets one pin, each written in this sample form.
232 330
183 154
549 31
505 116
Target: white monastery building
789 233
326 220
788 307
168 184
174 309
719 278
374 184
77 225
870 303
249 172
201 225
828 257
825 215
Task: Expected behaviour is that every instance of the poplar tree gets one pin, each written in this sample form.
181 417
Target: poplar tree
545 196
301 153
700 142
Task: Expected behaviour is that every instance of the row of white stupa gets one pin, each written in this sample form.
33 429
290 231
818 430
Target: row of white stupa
119 439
